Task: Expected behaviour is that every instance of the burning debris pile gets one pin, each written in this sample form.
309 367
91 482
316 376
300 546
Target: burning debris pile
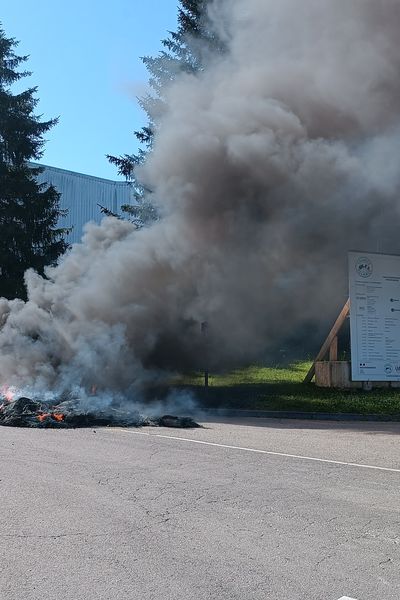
26 412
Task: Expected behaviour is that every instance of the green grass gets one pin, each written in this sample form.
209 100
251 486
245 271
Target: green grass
282 388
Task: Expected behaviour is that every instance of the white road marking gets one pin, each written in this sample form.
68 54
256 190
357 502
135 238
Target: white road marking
257 451
346 598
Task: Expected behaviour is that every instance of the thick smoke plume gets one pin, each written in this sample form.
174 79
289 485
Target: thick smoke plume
268 167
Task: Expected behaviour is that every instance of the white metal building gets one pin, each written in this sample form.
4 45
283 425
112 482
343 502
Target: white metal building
81 195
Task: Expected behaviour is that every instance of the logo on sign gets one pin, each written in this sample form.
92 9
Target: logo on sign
364 267
388 369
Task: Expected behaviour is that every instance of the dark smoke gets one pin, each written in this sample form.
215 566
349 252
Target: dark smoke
268 167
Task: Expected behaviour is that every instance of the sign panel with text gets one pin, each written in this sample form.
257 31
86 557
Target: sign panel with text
374 281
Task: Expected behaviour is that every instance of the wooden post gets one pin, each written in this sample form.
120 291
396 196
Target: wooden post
206 376
329 340
333 349
204 328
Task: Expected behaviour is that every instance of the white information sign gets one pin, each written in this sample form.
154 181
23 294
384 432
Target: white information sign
374 316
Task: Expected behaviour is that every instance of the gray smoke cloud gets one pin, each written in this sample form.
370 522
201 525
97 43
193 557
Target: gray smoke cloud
268 167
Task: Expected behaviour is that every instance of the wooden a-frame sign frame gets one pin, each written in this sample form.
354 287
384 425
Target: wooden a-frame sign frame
331 343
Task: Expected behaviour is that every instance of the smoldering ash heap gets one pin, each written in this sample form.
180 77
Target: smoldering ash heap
268 166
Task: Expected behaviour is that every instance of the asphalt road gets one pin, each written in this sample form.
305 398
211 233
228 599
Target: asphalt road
232 511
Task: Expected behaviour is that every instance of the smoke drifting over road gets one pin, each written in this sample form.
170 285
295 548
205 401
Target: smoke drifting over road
268 167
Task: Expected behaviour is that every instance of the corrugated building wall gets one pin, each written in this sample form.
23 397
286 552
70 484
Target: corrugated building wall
81 194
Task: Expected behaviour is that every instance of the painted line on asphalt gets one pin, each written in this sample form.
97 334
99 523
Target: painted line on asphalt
346 598
257 451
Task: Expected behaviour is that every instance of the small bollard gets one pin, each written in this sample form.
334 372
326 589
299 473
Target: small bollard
204 328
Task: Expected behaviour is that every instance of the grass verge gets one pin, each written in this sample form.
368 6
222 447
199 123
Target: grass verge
281 388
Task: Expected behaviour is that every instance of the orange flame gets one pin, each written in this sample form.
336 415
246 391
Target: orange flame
43 416
56 416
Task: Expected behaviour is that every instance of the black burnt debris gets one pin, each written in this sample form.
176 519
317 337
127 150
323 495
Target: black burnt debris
26 412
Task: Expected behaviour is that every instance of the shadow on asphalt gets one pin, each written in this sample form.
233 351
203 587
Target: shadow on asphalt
367 427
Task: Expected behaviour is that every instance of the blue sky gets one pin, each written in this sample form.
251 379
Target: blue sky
85 59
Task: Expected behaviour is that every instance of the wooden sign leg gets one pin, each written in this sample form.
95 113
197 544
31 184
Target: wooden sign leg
329 342
333 349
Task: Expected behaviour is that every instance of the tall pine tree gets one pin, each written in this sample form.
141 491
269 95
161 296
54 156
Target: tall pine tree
29 211
185 51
